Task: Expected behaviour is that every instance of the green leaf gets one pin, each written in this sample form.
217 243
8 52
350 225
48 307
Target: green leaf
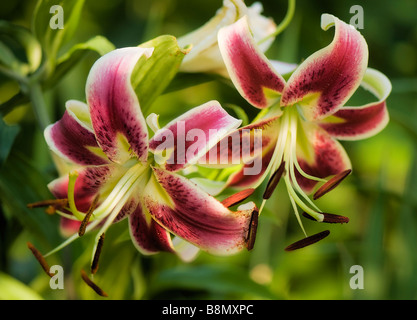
22 183
7 136
52 39
13 289
28 42
151 76
65 63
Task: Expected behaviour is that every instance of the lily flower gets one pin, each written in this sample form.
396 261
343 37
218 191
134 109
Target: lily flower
117 177
205 55
302 118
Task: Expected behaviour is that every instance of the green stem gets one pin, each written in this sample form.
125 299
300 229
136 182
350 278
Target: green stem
38 104
284 23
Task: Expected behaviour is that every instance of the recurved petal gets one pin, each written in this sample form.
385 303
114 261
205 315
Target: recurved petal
318 155
147 235
186 211
72 137
190 136
324 82
116 117
354 123
249 69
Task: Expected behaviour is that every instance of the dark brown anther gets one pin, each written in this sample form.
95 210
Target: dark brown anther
307 241
87 217
273 182
331 184
94 264
40 258
253 227
51 205
237 197
92 285
329 218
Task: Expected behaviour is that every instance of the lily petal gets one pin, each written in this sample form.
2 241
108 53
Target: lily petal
72 137
354 123
319 155
251 72
116 116
324 82
190 136
147 235
186 211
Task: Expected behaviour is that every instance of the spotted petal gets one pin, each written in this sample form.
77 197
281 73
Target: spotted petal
116 116
190 136
354 123
72 137
188 212
319 155
148 236
252 74
324 82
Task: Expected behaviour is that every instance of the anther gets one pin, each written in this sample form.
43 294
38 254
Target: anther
94 264
331 184
87 217
237 197
329 218
92 285
253 227
40 258
307 241
273 182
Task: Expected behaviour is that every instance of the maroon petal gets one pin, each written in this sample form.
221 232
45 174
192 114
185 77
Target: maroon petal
147 235
191 135
73 139
251 72
324 82
188 212
116 116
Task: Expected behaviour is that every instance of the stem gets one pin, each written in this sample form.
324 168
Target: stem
284 23
38 104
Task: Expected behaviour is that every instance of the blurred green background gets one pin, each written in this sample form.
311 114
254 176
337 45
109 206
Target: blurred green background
380 197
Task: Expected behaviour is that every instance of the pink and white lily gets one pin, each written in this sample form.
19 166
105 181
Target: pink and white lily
302 118
116 176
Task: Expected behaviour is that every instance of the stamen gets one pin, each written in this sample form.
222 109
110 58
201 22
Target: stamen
87 216
253 227
92 285
273 182
40 258
307 241
329 218
51 205
94 264
237 197
331 184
